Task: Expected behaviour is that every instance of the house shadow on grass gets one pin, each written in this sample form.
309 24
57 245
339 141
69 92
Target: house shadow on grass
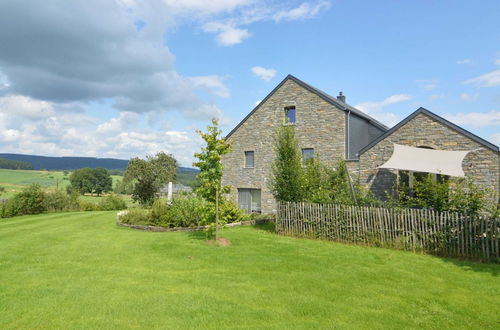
200 235
475 266
267 226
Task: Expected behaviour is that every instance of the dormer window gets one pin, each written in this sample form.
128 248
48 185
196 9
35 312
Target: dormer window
290 115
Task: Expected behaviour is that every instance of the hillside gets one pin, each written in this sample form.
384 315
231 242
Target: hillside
73 163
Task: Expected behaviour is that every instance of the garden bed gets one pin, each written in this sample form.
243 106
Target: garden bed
196 228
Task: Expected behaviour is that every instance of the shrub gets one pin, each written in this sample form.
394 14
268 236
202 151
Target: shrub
230 212
160 212
453 195
88 206
189 210
137 217
58 200
8 209
112 202
30 201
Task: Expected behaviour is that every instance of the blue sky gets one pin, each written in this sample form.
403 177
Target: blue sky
128 78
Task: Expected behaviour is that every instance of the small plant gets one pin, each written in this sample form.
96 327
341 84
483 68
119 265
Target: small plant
87 206
160 213
136 217
58 200
112 202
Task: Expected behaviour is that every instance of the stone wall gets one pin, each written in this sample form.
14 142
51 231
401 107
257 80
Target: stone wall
319 125
482 164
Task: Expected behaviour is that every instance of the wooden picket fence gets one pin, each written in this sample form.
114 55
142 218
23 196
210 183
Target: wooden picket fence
438 233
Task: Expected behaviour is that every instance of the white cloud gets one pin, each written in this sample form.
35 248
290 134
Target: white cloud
214 84
231 29
469 97
76 134
257 103
497 62
115 125
374 106
26 107
4 81
232 36
263 73
304 11
495 138
475 119
489 79
427 84
464 61
206 7
435 97
227 34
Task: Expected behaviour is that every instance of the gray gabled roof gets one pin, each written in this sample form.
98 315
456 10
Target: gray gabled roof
437 118
328 98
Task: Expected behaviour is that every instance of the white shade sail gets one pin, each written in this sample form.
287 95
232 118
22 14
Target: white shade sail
426 160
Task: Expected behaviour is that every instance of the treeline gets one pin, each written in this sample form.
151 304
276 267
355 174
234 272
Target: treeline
67 163
15 164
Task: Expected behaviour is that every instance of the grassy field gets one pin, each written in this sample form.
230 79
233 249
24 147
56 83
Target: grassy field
79 270
15 180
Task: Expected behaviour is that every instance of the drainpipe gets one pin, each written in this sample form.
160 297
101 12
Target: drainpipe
348 137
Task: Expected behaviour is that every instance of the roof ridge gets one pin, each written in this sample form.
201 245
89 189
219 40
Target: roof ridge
344 106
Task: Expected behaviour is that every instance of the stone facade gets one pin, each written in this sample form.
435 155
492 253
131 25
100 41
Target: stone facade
319 125
481 164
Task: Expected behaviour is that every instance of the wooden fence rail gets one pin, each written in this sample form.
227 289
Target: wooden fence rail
438 233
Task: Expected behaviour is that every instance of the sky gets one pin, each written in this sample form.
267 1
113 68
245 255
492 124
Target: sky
129 78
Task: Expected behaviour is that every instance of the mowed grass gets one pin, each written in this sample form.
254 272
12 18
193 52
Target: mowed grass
79 270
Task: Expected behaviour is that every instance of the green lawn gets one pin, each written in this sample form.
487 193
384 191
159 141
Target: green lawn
79 270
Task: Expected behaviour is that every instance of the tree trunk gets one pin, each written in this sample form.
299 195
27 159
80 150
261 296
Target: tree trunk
217 214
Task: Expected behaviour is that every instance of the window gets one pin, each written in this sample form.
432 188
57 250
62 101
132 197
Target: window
307 154
249 199
290 115
249 159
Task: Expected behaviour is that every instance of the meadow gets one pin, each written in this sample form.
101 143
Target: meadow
15 180
80 270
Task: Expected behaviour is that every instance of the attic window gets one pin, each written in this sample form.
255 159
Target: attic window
249 159
290 115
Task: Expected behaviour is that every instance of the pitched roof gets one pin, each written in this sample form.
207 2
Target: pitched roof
328 98
437 118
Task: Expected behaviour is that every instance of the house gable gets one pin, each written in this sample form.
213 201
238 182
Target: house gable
328 98
426 129
437 118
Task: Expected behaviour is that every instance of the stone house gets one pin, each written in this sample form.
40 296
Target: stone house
329 127
324 125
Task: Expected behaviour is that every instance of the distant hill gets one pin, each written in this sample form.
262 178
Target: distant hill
73 163
11 164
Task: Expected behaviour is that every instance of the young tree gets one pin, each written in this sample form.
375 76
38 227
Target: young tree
149 175
287 174
211 167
